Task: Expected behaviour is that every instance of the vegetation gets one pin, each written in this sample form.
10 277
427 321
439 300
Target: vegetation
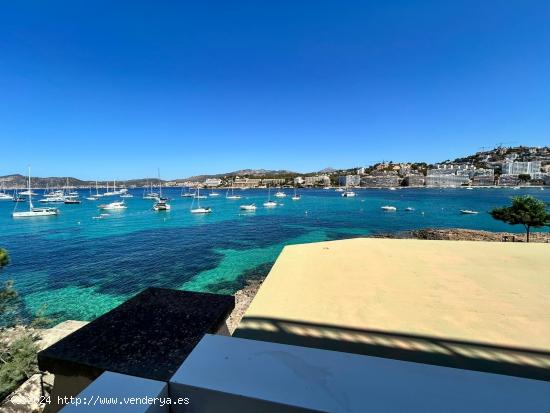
17 345
525 210
524 177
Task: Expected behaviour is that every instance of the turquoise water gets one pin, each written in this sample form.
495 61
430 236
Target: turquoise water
75 267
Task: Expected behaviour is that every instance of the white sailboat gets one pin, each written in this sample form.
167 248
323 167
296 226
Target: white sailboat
232 196
3 195
150 194
199 209
348 194
269 203
280 194
162 203
34 212
296 197
214 194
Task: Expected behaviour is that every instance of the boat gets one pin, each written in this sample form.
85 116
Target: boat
409 209
280 194
199 209
296 197
126 195
187 194
117 205
339 189
162 203
34 212
389 208
348 194
72 199
150 194
214 194
3 195
269 203
469 188
232 196
468 212
249 207
392 188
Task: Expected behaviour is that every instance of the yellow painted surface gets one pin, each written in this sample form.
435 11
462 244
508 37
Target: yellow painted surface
494 293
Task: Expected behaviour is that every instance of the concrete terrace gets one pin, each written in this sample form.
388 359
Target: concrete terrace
475 305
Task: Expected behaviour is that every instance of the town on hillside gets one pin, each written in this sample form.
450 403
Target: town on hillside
501 166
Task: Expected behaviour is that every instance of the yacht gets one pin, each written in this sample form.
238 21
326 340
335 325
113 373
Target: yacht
468 212
126 195
339 189
199 209
3 195
249 207
187 194
34 212
269 203
117 205
348 194
389 208
409 209
392 188
232 196
280 194
162 203
150 194
72 199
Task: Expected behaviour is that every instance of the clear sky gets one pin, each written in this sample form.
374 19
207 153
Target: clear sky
116 89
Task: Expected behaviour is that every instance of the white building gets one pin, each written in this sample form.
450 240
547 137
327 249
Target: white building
446 180
212 182
349 180
322 180
519 168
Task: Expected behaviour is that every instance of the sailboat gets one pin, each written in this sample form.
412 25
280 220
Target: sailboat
348 194
150 194
214 194
199 209
187 194
97 194
280 194
71 197
232 196
3 195
162 203
269 203
34 212
296 197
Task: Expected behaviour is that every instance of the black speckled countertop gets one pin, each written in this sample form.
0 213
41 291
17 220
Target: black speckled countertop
148 336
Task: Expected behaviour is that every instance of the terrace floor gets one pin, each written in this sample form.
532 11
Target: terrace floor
476 305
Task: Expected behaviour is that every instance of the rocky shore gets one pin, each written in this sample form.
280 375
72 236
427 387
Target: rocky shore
458 234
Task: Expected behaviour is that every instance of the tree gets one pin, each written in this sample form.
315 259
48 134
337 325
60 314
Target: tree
4 258
525 210
524 177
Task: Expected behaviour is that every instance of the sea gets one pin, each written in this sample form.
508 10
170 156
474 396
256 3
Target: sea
75 266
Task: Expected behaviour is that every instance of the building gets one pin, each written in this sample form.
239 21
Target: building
349 180
447 180
381 179
317 180
521 168
246 182
508 180
299 181
212 182
414 180
273 181
483 180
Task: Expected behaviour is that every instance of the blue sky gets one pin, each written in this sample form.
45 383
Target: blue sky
109 89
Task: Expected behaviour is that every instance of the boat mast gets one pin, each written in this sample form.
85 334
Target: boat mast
30 192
